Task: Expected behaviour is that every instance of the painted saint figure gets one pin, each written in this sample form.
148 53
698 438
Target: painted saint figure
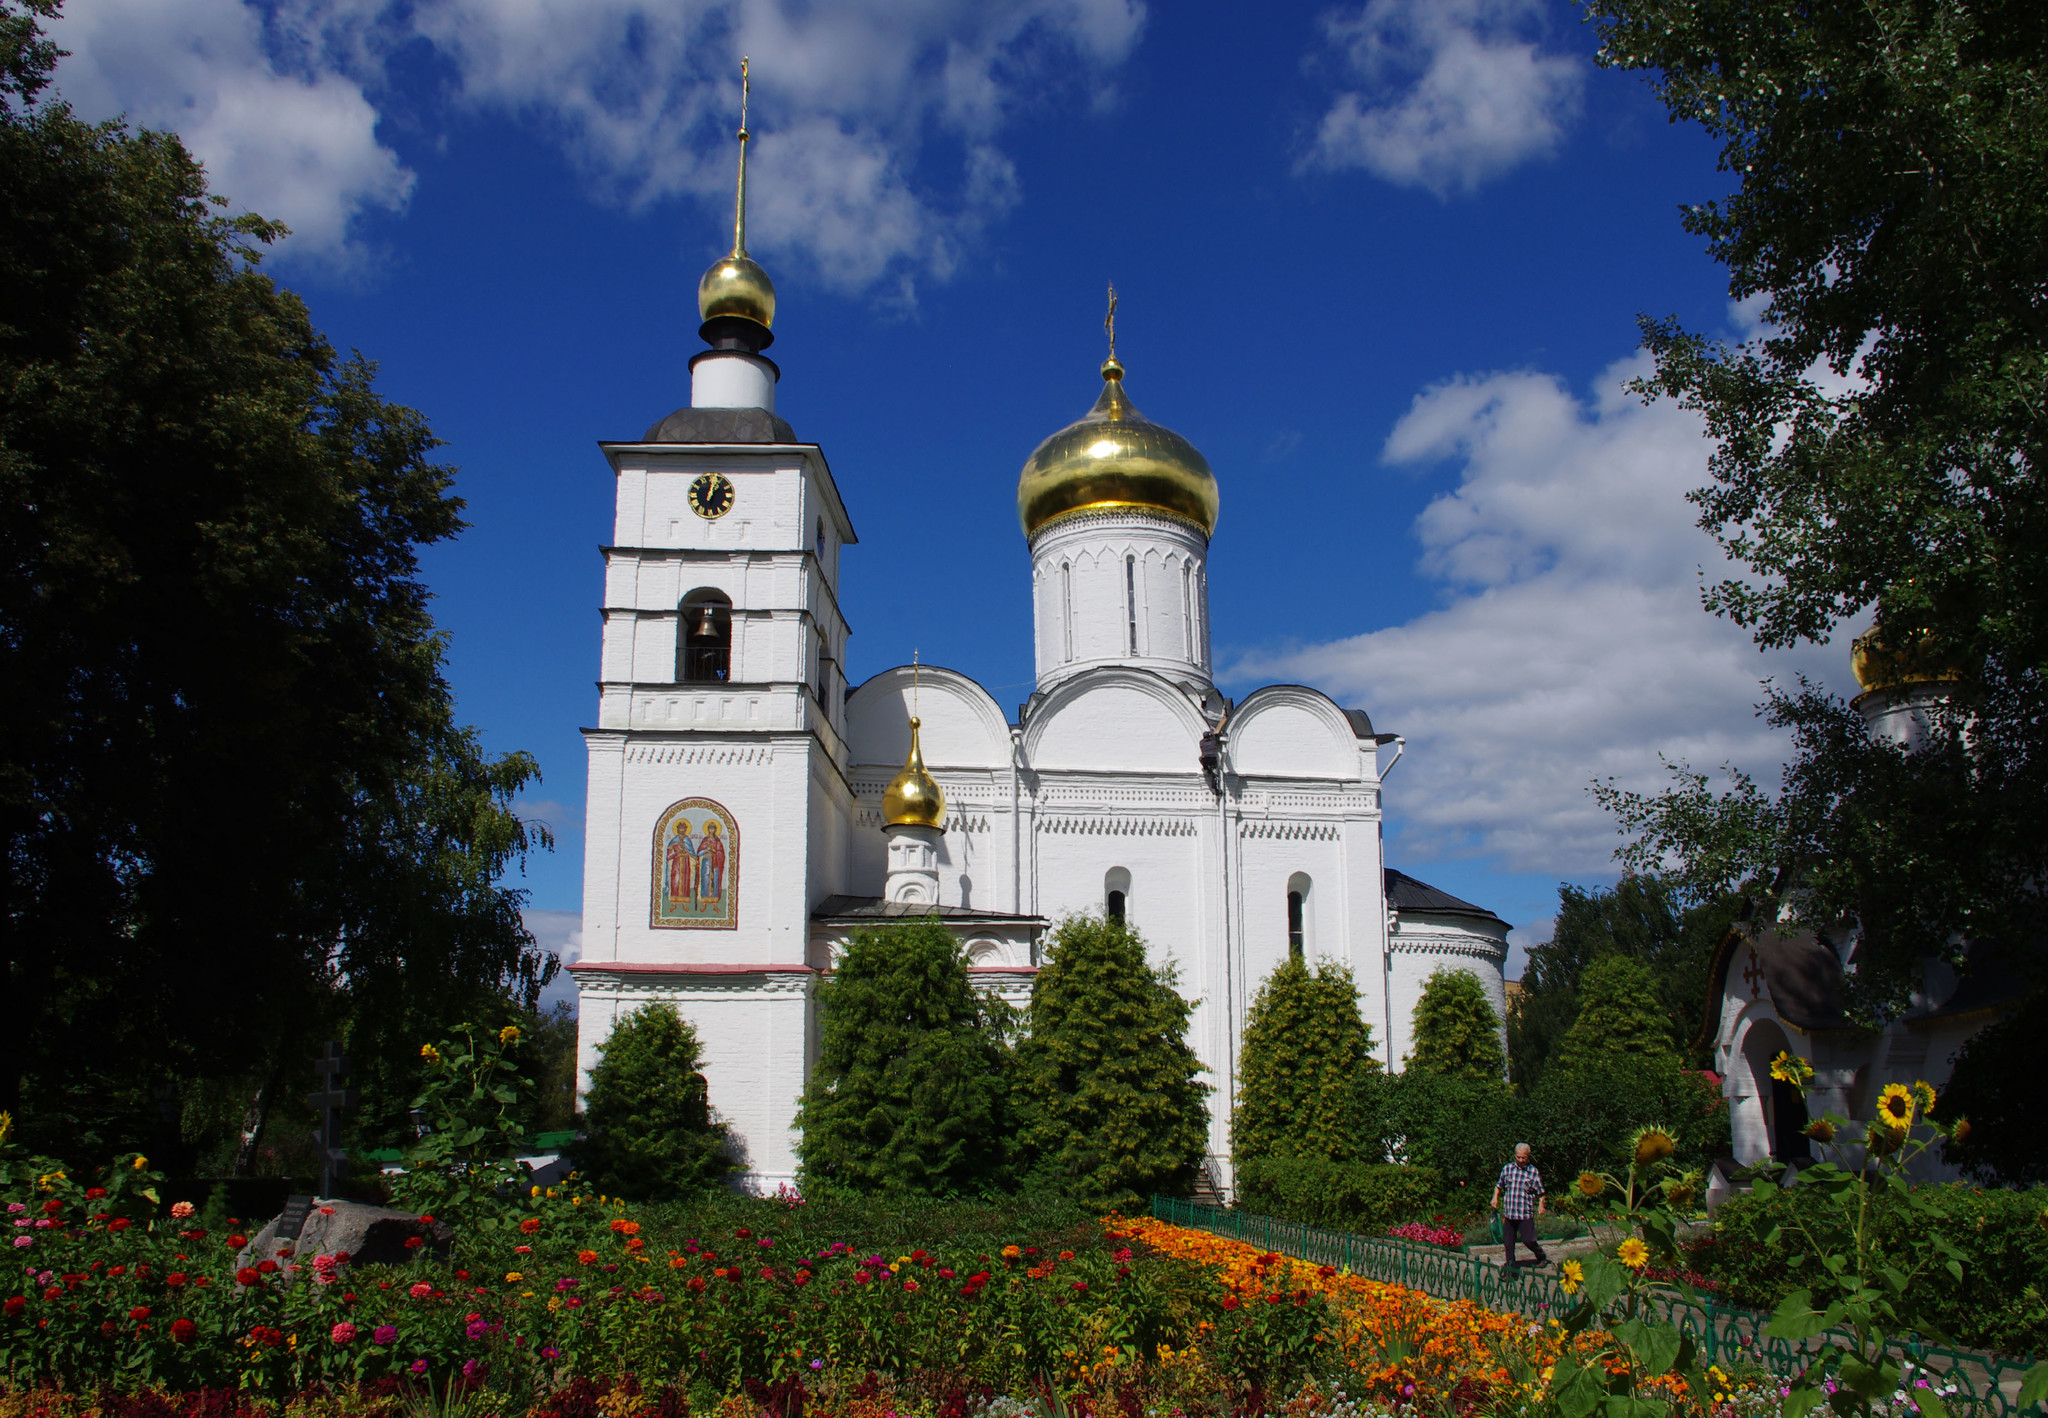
711 862
682 865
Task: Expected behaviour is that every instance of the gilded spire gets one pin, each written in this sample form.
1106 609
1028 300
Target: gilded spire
912 798
739 206
736 285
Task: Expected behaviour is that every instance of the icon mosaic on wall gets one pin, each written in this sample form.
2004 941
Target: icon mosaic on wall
696 867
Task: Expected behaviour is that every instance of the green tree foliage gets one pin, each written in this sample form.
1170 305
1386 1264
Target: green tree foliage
908 1094
1993 1085
1641 916
1108 1095
1305 1050
1621 1019
230 775
1879 449
1457 1034
649 1130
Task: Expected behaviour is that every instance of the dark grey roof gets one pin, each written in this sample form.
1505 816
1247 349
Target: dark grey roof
1405 893
874 908
1361 726
721 426
1804 976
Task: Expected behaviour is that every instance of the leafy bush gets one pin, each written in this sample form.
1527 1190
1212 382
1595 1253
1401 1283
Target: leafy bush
1457 1034
2001 1302
1354 1196
1993 1086
1108 1093
1305 1050
1576 1120
908 1092
651 1134
1620 1018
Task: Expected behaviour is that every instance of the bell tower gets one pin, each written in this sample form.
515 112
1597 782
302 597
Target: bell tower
719 807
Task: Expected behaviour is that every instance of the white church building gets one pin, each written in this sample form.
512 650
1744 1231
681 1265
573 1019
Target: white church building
748 808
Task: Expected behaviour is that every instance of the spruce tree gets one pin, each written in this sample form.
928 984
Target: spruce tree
908 1092
649 1130
1457 1034
1621 1016
1108 1093
1306 1049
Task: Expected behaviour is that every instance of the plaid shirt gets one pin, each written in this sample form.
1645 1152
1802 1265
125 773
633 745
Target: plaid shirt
1520 1189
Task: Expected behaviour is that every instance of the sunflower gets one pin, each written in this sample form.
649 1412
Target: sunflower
1820 1130
1961 1133
1923 1096
1571 1275
1591 1185
1632 1253
1788 1067
1653 1144
1895 1107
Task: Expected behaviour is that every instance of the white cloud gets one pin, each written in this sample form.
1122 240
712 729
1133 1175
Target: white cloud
294 140
561 932
642 95
1453 91
1571 644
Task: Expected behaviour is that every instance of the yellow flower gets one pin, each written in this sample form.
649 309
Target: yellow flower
1011 1252
1923 1095
1961 1133
1788 1067
140 1163
1571 1275
513 1277
508 1033
1633 1253
1590 1184
534 1192
1895 1107
430 1053
1653 1144
6 1126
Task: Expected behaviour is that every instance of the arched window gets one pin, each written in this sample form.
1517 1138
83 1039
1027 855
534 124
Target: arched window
1116 894
1187 609
704 644
821 546
1067 611
1131 600
1297 915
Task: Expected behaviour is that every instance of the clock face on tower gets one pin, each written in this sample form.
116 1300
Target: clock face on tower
711 496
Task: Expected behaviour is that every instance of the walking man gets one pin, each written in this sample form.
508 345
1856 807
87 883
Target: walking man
1522 1187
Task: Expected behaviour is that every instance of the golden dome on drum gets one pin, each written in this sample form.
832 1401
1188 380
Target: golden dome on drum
1115 457
912 799
736 285
1879 667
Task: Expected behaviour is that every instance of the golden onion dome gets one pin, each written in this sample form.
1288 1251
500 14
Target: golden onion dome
912 799
1879 667
1115 457
736 285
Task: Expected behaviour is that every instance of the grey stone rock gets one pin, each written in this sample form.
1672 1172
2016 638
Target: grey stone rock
367 1235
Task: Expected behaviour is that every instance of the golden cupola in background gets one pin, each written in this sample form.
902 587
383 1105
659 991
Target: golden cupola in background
735 287
1879 667
912 798
1114 457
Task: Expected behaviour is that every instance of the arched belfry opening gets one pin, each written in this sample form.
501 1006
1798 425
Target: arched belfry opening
704 640
1116 894
1298 887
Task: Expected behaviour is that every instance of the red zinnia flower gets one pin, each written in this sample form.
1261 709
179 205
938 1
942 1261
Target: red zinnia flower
139 1313
15 1305
52 1207
235 1243
1230 1302
119 1223
246 1276
267 1267
175 1279
696 1282
95 1193
182 1331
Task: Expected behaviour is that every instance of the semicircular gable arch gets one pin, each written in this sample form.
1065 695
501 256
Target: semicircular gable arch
1115 719
1292 731
960 725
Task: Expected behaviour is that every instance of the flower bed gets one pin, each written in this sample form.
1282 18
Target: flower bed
1429 1234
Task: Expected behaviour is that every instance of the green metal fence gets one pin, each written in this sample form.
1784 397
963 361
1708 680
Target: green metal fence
1984 1385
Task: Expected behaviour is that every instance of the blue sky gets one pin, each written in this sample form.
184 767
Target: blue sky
1381 262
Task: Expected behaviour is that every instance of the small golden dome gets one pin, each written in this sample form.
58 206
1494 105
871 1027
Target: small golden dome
736 285
912 798
1115 457
1878 667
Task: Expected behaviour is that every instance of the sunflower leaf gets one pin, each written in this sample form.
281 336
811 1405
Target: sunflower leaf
2034 1387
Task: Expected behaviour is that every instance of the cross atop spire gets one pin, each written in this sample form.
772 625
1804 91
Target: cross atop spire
1109 321
739 219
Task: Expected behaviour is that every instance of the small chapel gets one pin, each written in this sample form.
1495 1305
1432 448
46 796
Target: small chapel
749 808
